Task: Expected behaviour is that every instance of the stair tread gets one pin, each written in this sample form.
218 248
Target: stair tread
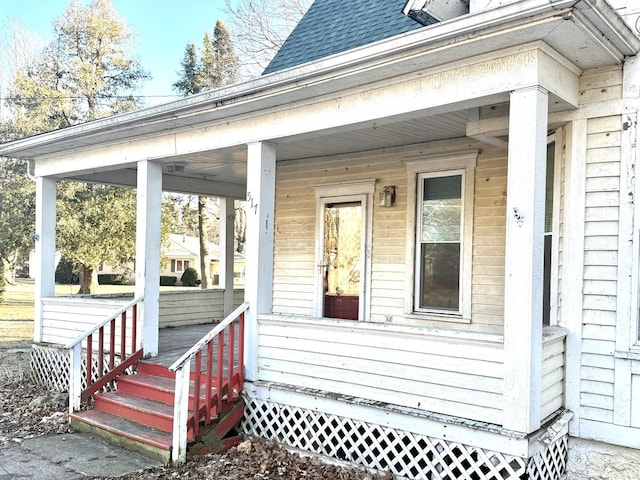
157 382
136 402
124 427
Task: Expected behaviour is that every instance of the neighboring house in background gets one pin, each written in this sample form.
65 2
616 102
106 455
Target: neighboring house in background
443 251
183 252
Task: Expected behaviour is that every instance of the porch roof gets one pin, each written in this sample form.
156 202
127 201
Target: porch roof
208 133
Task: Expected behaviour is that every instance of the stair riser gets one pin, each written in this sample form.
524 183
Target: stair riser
152 419
146 391
155 369
161 453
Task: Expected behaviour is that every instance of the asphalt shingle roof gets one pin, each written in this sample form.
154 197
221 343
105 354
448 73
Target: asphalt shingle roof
333 26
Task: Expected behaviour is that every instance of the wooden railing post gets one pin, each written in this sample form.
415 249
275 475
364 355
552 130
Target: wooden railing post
75 377
181 415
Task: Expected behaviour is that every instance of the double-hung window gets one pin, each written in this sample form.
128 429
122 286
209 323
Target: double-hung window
439 241
441 235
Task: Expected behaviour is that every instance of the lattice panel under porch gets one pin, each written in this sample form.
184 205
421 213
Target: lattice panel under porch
50 368
402 453
551 464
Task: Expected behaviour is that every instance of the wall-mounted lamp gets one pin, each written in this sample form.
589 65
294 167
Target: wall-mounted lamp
388 196
175 167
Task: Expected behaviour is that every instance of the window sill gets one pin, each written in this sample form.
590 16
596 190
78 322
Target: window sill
440 317
628 355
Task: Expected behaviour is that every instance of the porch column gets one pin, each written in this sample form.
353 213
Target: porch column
524 255
45 259
227 217
261 182
149 199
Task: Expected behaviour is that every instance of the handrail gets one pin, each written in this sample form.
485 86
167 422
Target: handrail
127 356
221 389
209 336
103 323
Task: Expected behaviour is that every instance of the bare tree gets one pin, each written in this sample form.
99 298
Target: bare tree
18 47
260 27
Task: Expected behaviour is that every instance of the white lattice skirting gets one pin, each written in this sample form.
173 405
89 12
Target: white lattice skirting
404 454
50 368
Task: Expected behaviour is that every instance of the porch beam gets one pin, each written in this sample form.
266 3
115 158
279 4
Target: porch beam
524 255
147 277
45 259
170 183
261 176
226 252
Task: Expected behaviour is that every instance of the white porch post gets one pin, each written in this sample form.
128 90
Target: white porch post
149 201
45 260
226 253
524 256
261 181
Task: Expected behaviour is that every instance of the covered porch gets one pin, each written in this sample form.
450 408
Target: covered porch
476 97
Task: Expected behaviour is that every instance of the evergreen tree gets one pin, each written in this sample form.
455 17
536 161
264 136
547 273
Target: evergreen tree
218 66
189 81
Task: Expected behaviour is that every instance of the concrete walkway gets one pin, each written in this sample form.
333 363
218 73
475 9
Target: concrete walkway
69 456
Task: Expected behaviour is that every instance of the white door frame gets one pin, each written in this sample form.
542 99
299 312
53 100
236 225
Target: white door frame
342 193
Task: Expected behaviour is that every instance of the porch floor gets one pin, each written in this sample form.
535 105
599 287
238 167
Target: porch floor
173 342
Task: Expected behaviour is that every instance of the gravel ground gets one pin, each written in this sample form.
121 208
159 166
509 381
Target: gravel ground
28 411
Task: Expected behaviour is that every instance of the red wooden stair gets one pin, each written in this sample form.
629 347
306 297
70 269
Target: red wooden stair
139 414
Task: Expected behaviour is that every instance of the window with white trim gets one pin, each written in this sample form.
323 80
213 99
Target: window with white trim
179 266
441 236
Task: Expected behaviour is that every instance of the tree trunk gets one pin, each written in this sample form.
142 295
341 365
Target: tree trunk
9 268
202 234
88 280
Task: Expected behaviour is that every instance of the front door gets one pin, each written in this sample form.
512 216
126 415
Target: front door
342 258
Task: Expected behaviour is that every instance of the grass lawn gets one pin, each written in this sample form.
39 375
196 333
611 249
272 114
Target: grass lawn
18 298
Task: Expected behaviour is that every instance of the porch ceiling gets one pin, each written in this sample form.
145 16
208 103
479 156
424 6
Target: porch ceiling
229 165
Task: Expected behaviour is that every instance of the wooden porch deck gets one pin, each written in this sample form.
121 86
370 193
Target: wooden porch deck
175 341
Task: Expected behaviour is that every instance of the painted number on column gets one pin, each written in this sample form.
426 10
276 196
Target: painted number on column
252 205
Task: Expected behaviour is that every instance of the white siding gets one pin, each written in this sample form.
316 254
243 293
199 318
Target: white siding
192 307
552 370
600 256
294 269
437 371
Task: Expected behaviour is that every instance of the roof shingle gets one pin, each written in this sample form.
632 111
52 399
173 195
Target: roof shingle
333 26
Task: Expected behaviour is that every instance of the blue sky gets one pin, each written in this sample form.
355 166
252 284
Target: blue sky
164 27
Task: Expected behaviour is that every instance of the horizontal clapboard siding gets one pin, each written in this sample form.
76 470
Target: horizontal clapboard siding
193 307
295 218
444 373
601 248
553 350
64 318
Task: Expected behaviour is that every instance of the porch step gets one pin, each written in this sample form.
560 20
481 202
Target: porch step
124 432
139 415
155 414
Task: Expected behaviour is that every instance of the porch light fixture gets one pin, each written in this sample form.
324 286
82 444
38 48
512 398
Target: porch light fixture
175 167
388 196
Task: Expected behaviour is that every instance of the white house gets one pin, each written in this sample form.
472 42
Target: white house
442 247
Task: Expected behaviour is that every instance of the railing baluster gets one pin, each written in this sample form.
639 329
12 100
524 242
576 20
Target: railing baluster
209 380
230 352
220 372
100 351
241 356
112 344
89 358
123 336
134 328
196 394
